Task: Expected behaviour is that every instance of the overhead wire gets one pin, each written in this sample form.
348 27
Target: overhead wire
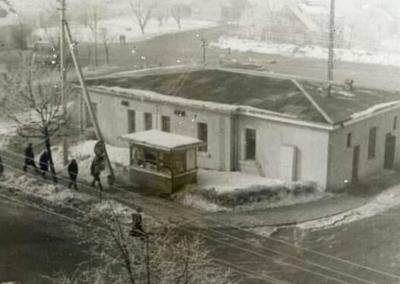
267 249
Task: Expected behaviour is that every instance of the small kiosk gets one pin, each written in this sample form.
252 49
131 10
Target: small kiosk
161 160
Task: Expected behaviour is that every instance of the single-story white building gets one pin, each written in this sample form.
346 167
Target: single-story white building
256 122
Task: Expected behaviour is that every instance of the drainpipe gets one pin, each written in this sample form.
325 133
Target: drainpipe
234 141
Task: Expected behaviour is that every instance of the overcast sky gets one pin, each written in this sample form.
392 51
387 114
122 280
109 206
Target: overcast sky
33 7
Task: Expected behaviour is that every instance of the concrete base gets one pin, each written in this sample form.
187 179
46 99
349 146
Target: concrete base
162 183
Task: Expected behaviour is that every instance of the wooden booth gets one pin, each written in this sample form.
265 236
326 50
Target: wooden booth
161 160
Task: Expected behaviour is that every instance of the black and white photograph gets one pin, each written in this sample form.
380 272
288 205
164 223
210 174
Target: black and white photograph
199 142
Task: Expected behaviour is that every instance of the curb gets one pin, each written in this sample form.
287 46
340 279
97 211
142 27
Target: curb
297 222
290 224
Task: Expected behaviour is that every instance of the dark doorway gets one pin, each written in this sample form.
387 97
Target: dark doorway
390 150
356 160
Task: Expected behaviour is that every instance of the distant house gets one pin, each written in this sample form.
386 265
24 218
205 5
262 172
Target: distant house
372 26
299 22
221 11
258 123
8 19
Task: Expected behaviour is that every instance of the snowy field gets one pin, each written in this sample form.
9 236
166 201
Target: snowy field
112 29
227 191
290 50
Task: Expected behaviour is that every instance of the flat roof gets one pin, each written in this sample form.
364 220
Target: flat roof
161 140
301 99
277 95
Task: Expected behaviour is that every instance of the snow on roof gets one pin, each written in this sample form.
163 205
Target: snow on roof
161 140
374 108
216 90
145 94
305 19
239 91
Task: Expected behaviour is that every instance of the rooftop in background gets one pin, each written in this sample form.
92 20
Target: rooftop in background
161 140
257 89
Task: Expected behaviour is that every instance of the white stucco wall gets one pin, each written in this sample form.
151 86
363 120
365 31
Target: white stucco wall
113 120
311 146
341 157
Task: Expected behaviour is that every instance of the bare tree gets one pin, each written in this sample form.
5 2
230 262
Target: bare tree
164 256
143 12
161 11
92 23
176 13
105 37
87 14
20 34
33 101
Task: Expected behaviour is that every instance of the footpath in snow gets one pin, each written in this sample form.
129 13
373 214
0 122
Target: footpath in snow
383 202
126 26
317 52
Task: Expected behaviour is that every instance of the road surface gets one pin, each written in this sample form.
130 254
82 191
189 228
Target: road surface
34 243
362 252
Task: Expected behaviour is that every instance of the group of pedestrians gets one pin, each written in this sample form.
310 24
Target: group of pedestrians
73 169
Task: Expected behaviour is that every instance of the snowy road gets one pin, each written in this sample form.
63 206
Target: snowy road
330 256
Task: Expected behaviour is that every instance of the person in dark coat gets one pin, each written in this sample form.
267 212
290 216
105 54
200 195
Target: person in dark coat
44 163
95 170
29 158
73 171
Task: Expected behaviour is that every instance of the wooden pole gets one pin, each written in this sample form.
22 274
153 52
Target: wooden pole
63 76
204 46
86 94
331 41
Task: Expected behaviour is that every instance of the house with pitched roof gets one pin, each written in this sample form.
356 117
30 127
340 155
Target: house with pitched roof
256 122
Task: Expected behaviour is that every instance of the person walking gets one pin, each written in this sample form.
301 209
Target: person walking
29 158
73 171
44 163
95 169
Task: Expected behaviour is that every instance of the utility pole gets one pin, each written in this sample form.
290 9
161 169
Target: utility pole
204 46
63 75
95 35
331 41
86 96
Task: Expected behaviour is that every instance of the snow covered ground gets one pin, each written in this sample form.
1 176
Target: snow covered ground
8 129
266 193
290 50
113 28
84 154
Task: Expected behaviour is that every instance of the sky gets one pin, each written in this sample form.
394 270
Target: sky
34 6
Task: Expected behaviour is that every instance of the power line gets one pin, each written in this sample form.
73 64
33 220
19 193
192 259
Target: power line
240 270
266 249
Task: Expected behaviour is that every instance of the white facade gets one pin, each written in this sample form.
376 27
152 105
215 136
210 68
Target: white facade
341 154
285 148
279 145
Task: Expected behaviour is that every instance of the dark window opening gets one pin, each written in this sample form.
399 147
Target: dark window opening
372 143
148 121
348 140
250 140
395 123
166 123
202 134
131 121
